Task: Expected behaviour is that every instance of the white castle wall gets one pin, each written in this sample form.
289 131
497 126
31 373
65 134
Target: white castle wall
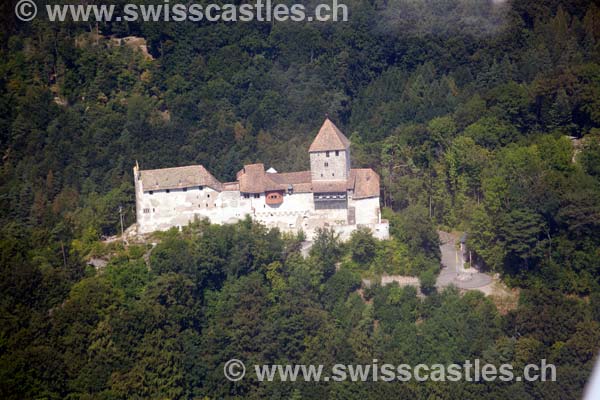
291 214
161 211
380 231
367 210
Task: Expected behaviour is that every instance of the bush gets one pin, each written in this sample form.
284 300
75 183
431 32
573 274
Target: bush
427 279
363 246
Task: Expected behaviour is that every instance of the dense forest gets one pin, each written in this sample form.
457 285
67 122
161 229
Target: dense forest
480 116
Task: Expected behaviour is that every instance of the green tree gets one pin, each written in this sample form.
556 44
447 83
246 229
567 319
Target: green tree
326 250
363 246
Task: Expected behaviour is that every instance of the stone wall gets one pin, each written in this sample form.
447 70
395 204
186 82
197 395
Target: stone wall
367 210
161 210
380 231
338 167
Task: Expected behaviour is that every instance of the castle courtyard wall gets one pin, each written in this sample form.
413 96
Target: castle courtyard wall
162 210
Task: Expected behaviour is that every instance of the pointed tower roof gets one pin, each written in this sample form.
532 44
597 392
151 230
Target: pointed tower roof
329 138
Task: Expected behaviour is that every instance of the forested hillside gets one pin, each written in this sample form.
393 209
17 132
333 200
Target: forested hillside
479 116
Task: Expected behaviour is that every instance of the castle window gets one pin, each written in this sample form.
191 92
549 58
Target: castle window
168 190
185 189
146 210
327 164
257 196
208 195
326 154
246 196
337 153
332 174
153 210
151 192
200 187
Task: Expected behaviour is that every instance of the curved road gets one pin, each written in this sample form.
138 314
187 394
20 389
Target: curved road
452 272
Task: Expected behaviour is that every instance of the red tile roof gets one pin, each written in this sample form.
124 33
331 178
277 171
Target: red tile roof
291 177
253 179
179 177
329 138
329 186
231 186
365 183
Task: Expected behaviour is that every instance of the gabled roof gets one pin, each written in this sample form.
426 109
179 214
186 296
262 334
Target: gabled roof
365 183
178 177
254 179
329 186
291 177
231 186
329 138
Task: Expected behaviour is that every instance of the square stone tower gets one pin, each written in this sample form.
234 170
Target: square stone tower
330 154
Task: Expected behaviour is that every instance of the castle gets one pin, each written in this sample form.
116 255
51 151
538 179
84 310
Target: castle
330 194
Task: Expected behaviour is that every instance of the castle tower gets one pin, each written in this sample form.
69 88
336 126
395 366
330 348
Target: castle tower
330 154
